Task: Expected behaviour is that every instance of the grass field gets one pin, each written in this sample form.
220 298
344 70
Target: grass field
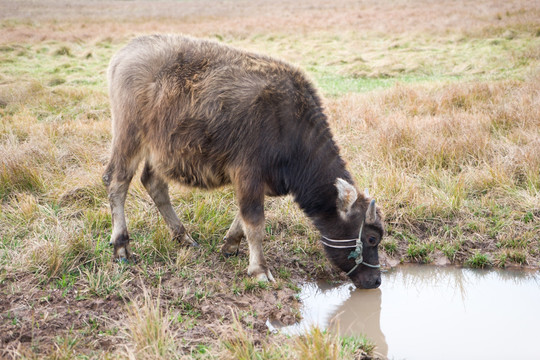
435 106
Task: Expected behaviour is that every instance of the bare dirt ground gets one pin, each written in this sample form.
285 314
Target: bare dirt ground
38 320
62 297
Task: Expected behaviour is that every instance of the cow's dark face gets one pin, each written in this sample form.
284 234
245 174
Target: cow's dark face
364 276
358 216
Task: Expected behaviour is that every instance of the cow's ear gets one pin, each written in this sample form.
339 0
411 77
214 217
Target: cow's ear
346 197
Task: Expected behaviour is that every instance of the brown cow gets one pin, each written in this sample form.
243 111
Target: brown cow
207 115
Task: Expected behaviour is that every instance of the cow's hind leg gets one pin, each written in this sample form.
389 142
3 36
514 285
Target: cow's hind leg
159 192
234 237
251 201
117 178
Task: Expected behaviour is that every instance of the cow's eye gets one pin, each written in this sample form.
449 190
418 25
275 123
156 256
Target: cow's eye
372 240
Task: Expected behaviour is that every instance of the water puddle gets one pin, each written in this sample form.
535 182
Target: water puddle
426 312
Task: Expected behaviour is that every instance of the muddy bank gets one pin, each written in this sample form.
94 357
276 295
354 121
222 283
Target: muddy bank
197 300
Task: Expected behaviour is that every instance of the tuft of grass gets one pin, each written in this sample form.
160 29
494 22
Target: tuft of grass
56 81
212 214
46 259
92 195
356 347
98 222
451 251
315 344
149 330
102 282
19 176
517 256
25 207
479 260
322 345
318 345
65 347
390 246
161 246
501 260
63 51
419 252
241 346
284 273
252 285
59 253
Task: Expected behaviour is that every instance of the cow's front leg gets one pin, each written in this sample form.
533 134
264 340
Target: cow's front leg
251 201
234 237
257 264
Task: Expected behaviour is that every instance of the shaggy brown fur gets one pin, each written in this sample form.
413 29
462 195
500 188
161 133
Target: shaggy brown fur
207 115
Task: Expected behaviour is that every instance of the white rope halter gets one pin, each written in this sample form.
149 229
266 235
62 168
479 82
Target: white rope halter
356 254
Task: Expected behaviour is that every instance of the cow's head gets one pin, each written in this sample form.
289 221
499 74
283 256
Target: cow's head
351 240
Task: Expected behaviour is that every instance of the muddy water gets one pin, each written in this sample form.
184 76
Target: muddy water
426 312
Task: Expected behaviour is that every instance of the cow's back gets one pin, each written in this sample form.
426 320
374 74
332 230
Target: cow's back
202 109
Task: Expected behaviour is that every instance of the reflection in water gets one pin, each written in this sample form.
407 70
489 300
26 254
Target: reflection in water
352 319
425 312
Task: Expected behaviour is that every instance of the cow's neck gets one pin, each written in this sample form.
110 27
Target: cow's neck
315 192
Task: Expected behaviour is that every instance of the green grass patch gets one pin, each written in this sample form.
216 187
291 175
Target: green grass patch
419 252
478 260
251 285
390 246
518 257
361 62
356 344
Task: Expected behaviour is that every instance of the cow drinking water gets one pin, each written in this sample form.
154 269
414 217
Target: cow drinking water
207 115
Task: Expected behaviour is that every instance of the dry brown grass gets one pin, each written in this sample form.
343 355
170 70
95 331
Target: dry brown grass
86 21
149 330
442 158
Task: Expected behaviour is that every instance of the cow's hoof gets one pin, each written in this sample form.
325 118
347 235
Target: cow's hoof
229 254
261 275
133 259
121 252
265 277
229 248
122 260
186 240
